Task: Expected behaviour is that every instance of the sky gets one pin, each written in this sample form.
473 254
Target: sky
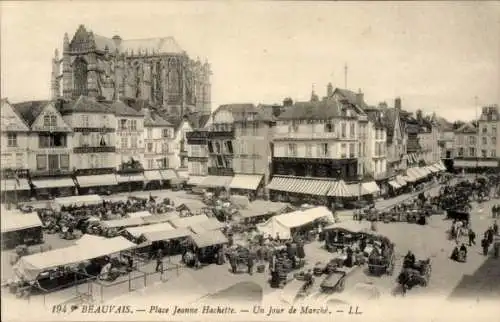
436 56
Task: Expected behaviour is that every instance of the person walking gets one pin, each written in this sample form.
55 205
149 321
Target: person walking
159 261
485 245
495 227
472 237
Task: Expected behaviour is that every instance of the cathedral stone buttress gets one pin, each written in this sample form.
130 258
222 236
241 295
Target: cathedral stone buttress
156 70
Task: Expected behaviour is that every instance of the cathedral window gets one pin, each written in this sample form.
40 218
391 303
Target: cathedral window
80 77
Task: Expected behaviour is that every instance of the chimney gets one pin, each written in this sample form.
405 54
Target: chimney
397 103
360 98
117 40
329 90
287 102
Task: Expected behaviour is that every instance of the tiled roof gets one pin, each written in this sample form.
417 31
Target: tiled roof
352 98
203 120
241 110
153 119
467 128
85 105
29 110
136 103
318 110
121 109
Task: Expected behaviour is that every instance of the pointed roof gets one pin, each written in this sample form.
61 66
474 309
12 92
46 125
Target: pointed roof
317 110
352 98
239 110
5 102
158 45
85 104
153 119
29 110
467 128
121 109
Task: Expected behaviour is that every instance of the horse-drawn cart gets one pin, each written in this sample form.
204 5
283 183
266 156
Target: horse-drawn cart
382 264
334 282
417 274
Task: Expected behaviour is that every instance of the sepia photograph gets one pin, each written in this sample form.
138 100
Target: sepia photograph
250 160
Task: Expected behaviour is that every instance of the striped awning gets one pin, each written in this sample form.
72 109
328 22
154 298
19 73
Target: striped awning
53 183
307 186
339 189
394 184
246 181
414 173
152 175
371 187
13 184
195 180
97 180
425 172
216 181
433 169
168 174
356 189
409 179
130 178
400 181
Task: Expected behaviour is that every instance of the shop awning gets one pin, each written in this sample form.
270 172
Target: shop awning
441 166
168 174
400 181
409 179
53 183
425 171
246 181
339 189
305 186
167 234
138 231
97 180
195 180
13 184
130 178
413 173
216 181
436 167
371 187
209 238
474 163
152 175
19 221
394 184
356 189
431 169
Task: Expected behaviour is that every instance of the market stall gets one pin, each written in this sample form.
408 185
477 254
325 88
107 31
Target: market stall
76 201
139 214
136 232
58 267
208 246
186 222
20 229
298 222
210 225
170 241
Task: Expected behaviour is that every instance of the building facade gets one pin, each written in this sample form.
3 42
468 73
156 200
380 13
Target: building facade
14 135
158 137
157 70
373 143
129 135
476 144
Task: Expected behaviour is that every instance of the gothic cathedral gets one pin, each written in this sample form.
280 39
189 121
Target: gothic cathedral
156 70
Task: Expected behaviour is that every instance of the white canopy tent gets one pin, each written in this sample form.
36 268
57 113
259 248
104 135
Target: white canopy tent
187 222
12 221
125 222
138 231
77 201
283 224
139 214
31 266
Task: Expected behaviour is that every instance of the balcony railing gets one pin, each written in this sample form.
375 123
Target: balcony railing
221 134
94 149
94 129
305 136
213 171
51 172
